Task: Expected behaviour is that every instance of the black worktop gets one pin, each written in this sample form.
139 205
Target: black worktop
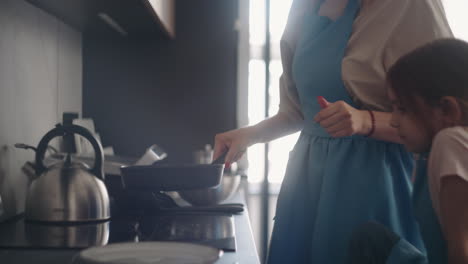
245 253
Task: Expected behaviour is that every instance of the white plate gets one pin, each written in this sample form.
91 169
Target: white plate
149 252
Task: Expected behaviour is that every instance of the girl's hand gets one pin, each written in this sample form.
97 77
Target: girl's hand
235 142
340 119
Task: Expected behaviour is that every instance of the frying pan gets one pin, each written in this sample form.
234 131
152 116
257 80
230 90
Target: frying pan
173 177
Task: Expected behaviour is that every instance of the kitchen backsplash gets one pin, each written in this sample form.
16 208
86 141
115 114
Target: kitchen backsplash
176 93
40 77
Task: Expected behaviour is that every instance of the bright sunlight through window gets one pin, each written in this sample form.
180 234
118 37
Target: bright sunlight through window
279 149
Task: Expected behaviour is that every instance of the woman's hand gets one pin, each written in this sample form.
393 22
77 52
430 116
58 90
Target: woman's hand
340 119
235 142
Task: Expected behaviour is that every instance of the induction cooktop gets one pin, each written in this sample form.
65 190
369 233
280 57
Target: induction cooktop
211 229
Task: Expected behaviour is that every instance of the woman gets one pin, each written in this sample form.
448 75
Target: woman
347 167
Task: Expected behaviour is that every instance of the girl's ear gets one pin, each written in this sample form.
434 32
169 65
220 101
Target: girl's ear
452 113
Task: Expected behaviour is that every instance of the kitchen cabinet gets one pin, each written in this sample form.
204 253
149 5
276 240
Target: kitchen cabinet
163 10
128 18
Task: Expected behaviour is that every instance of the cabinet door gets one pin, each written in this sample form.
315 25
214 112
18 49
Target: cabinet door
165 12
127 17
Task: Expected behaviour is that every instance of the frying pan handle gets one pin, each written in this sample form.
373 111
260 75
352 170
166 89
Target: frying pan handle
220 159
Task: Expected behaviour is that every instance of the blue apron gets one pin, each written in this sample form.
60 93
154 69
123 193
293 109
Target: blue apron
334 185
429 225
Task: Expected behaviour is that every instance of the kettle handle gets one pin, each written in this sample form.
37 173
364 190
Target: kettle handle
61 130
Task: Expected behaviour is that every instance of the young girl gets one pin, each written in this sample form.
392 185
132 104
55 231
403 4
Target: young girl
429 91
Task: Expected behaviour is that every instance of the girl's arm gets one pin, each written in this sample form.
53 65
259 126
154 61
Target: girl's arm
453 206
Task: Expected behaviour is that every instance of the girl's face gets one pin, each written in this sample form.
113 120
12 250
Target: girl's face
415 131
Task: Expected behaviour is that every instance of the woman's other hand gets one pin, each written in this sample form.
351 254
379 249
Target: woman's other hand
235 142
340 119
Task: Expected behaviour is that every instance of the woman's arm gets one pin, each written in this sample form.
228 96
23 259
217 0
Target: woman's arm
275 127
237 141
453 198
383 130
342 120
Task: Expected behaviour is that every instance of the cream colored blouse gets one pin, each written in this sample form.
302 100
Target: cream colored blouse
449 156
382 32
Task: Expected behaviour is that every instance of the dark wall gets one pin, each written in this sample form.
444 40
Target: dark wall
176 93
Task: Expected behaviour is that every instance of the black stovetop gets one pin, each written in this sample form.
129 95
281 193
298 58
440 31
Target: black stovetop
212 229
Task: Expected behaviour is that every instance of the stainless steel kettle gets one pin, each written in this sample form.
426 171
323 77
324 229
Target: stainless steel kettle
68 235
68 191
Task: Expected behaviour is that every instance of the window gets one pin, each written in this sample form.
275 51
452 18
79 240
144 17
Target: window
279 149
456 16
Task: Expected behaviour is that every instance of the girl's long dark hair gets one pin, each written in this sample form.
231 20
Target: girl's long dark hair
431 72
